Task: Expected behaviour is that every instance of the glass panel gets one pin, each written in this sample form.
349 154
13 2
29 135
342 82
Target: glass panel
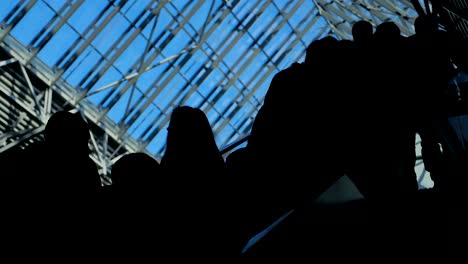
109 77
32 23
76 72
86 13
7 7
131 55
57 45
115 31
55 4
133 9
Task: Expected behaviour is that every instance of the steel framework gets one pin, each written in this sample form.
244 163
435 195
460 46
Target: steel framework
126 64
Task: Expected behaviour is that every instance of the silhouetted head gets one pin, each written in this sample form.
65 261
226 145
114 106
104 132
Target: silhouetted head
321 49
426 24
387 31
134 170
328 42
362 31
189 134
67 132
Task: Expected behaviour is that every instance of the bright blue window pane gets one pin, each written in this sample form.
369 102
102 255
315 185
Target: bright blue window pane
133 9
57 45
55 4
32 23
131 54
7 6
85 14
75 73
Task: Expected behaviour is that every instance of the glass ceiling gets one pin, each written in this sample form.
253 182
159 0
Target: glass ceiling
138 59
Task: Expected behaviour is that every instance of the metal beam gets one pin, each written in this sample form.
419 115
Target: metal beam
64 90
47 103
13 96
329 19
10 134
267 74
96 29
135 75
187 95
64 18
6 62
192 49
27 135
161 47
203 37
101 156
254 55
32 91
230 44
116 50
116 95
142 60
104 154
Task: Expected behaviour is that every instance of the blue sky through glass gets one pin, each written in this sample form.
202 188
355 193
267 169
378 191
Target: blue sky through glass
216 55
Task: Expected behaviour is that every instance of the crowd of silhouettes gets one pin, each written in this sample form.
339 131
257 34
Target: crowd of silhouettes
353 107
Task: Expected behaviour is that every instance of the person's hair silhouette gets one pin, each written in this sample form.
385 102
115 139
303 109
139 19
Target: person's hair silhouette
387 33
362 31
424 25
190 140
67 132
68 164
134 170
196 173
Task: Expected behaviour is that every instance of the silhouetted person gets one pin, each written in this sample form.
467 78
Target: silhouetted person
134 178
68 164
397 109
387 31
59 168
133 205
198 196
190 141
380 152
362 32
58 184
294 141
358 104
441 150
135 171
248 196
